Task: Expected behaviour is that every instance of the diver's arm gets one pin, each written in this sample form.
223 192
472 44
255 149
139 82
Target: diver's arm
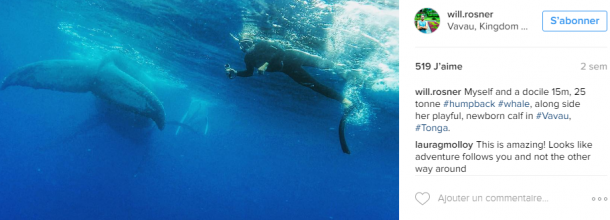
249 60
246 73
419 27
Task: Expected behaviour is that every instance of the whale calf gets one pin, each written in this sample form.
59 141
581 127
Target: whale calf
196 117
109 79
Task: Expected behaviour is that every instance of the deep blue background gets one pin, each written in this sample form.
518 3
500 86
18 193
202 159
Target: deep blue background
272 150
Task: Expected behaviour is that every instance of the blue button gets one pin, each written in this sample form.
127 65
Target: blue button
575 21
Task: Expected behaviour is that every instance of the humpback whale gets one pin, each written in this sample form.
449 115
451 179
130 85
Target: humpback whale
197 117
111 79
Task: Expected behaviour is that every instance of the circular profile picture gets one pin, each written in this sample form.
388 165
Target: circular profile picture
427 20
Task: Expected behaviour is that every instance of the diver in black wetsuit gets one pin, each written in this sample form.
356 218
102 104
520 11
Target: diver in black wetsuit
271 57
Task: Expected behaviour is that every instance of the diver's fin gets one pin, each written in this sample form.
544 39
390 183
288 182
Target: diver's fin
346 114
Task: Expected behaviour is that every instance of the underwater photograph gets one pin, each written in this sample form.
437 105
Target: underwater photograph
198 109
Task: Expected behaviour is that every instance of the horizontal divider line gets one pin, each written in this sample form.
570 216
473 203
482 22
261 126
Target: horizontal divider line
478 47
515 175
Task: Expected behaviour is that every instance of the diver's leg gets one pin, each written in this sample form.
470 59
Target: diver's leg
301 76
300 58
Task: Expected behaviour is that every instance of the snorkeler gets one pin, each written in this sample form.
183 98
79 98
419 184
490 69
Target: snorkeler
268 56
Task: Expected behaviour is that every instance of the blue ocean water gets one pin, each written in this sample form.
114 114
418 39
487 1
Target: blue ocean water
269 147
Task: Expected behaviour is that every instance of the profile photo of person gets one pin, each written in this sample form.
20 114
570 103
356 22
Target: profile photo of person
422 25
427 20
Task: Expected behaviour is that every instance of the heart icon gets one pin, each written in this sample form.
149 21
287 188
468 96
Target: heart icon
422 198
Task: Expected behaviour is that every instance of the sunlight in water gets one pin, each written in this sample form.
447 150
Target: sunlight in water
362 114
365 36
361 35
93 44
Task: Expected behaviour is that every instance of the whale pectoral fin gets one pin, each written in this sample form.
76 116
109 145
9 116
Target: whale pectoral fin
122 90
104 79
59 75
